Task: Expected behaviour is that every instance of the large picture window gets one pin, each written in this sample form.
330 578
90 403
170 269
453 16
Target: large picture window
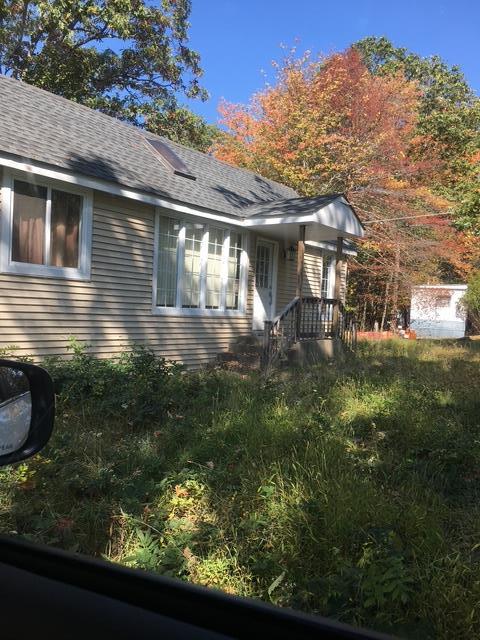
200 268
46 228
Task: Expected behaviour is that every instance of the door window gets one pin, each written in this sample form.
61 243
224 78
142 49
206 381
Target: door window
262 268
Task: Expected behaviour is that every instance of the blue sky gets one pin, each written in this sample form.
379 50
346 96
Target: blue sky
237 39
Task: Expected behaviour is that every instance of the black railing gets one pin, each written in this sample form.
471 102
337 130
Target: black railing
281 333
347 330
307 318
316 318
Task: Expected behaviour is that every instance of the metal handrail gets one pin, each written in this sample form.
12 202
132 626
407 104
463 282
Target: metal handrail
307 318
286 309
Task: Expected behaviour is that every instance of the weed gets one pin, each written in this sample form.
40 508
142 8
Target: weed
351 490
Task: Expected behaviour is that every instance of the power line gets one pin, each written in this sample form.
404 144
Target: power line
425 215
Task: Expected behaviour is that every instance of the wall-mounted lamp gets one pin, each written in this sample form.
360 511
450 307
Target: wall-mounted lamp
290 253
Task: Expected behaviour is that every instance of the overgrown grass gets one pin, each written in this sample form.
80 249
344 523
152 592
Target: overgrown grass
350 490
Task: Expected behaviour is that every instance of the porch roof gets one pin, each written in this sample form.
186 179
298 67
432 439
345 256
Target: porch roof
326 218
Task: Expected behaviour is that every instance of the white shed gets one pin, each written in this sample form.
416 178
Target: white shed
436 311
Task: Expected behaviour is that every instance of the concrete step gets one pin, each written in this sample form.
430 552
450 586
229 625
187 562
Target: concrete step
314 351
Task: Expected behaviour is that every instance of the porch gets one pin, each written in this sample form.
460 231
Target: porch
300 273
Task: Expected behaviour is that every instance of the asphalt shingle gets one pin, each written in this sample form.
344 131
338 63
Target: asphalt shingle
40 126
298 205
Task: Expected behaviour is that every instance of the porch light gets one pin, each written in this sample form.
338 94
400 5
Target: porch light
290 253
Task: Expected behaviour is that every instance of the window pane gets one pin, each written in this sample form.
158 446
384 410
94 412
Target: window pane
233 275
191 270
65 225
214 268
167 262
28 232
262 267
326 275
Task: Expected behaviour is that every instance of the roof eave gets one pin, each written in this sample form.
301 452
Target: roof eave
337 215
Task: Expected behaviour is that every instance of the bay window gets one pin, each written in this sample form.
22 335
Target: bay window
215 260
234 270
45 228
192 259
200 268
167 263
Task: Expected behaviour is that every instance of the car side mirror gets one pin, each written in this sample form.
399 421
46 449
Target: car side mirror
27 410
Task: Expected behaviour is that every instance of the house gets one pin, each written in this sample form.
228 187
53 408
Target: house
116 236
436 311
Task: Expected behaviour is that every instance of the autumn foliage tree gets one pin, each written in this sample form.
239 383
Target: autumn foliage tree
332 125
449 113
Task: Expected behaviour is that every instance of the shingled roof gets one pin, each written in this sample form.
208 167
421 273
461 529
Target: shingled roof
43 127
299 205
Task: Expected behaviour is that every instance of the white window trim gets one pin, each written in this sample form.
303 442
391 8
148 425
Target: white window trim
7 265
244 265
332 271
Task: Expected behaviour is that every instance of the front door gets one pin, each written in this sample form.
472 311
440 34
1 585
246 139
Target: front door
263 306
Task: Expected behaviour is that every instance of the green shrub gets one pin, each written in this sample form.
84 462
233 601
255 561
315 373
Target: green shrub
134 387
472 300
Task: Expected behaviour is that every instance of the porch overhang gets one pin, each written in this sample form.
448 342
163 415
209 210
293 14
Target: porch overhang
326 218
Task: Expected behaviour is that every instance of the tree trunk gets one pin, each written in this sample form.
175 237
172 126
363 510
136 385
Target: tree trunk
363 322
385 305
396 277
364 315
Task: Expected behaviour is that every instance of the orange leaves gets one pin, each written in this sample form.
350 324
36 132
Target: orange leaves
326 125
329 125
475 159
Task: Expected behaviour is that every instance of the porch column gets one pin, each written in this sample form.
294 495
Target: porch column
338 281
300 272
300 260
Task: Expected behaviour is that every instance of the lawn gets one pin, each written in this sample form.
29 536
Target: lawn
351 490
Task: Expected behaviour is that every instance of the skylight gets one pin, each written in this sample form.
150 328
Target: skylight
171 159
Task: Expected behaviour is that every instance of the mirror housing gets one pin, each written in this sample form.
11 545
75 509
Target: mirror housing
42 397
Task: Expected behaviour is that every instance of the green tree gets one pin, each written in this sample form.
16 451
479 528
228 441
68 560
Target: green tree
127 58
449 114
181 125
472 300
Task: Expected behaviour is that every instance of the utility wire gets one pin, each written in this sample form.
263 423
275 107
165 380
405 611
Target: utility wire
425 215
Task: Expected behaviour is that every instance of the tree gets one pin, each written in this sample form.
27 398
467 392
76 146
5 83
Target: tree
332 125
472 300
449 113
181 125
325 126
127 58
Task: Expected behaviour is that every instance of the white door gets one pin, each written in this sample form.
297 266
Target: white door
264 299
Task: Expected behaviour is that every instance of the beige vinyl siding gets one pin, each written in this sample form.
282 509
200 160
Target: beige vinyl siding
113 309
286 281
287 277
312 282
